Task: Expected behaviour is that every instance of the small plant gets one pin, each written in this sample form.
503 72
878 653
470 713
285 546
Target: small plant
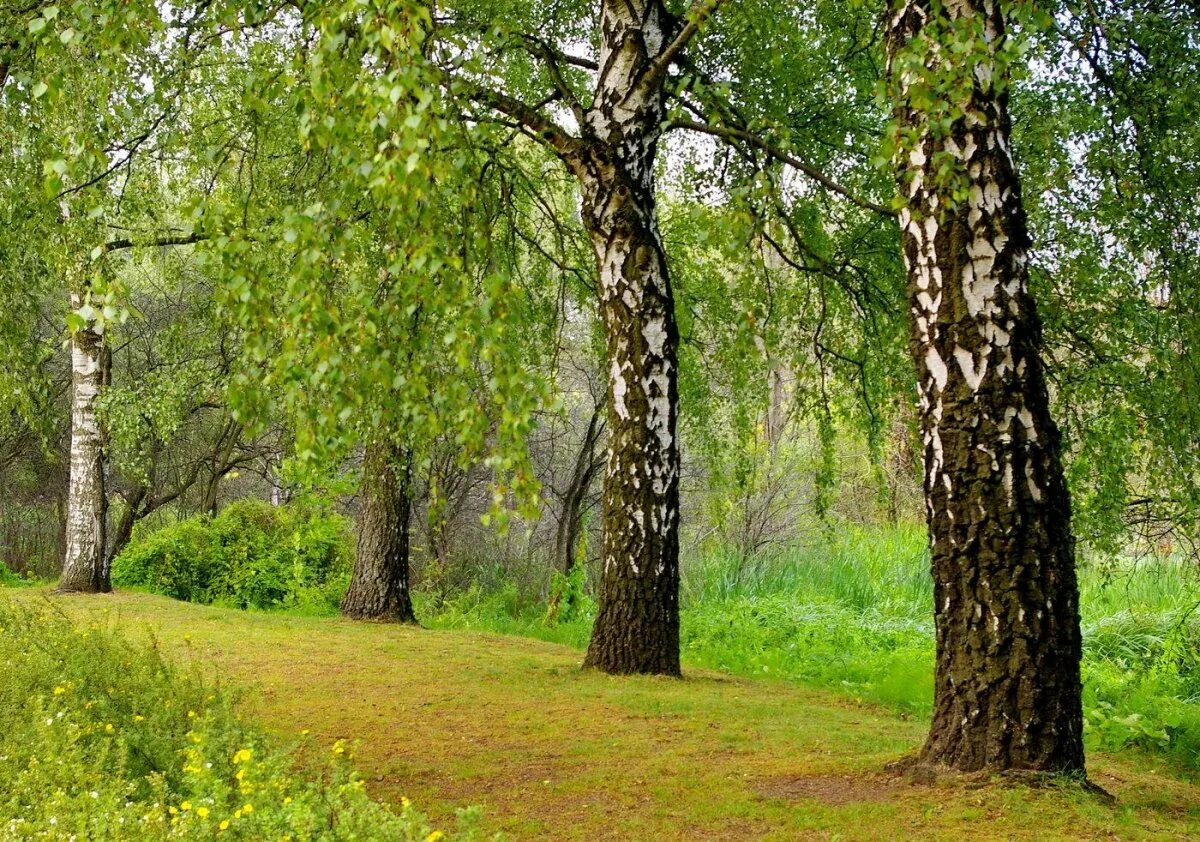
9 579
568 600
102 739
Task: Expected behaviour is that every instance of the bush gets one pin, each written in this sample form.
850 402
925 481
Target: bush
9 579
102 739
252 555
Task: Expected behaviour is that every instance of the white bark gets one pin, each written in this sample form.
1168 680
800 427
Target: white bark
85 565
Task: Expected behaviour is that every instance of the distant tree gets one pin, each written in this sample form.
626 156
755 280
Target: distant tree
379 589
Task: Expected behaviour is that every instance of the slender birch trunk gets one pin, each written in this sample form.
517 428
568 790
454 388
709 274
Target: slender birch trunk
637 627
85 566
1007 684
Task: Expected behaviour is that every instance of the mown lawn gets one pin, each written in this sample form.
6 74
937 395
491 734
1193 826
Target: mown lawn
452 718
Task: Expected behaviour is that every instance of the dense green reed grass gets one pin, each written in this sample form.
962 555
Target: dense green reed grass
854 611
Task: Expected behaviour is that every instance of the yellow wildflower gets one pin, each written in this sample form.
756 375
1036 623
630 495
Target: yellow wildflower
224 824
185 806
436 836
247 808
137 717
202 812
339 747
287 800
58 691
242 755
108 727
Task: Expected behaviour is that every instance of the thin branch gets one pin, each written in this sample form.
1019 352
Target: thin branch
780 155
126 243
541 127
700 12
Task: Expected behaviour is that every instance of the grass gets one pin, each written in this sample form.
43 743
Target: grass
104 738
448 717
854 613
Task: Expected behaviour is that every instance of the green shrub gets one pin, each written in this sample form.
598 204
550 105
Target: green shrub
9 579
103 739
251 555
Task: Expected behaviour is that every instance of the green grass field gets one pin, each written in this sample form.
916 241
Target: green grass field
450 718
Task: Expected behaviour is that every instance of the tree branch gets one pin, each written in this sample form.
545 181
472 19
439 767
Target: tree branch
541 127
732 134
126 243
700 12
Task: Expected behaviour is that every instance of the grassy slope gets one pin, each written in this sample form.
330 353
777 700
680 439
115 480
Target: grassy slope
454 718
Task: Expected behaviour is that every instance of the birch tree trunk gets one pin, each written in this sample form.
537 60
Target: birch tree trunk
379 586
1007 684
85 565
637 625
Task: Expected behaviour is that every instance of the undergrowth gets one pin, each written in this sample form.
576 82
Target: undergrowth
251 555
104 739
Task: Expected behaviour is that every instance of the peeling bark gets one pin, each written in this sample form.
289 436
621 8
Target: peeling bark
1007 684
85 564
379 586
637 626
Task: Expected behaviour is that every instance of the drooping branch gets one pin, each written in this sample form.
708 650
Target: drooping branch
553 59
730 133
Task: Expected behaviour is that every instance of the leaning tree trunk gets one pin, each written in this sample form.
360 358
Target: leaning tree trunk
570 524
1007 684
379 587
85 565
122 531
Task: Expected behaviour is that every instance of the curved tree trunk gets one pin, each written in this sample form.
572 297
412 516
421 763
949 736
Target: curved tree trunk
85 565
1007 685
122 531
570 524
637 627
379 587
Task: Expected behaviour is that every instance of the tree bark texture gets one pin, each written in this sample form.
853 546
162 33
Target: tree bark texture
637 625
1007 684
85 565
379 586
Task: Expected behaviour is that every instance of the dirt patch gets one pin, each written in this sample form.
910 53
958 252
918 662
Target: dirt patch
832 790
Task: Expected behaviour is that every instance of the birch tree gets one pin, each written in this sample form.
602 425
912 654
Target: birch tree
1007 685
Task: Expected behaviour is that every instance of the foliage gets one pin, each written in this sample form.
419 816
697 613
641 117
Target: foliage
251 555
104 739
9 579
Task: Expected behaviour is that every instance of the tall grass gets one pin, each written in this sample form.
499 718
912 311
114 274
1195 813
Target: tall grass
854 611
